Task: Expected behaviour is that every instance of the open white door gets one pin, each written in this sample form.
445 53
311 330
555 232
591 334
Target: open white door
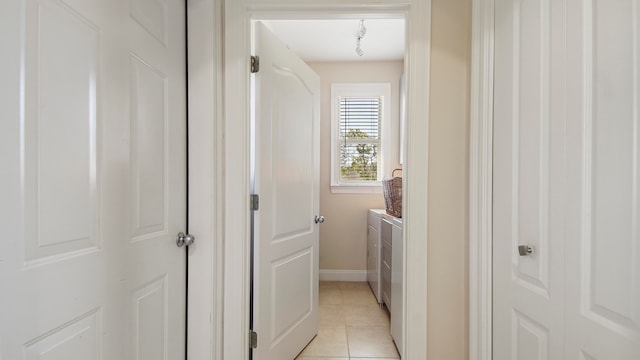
286 177
566 180
92 179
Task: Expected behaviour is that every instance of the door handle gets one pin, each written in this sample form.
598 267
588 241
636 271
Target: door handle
183 239
525 250
319 219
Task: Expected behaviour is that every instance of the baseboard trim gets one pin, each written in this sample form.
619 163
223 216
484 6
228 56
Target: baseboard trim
343 275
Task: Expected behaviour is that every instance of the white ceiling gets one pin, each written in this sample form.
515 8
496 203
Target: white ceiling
335 40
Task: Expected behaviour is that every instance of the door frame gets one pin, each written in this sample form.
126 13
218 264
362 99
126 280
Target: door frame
219 166
481 182
205 292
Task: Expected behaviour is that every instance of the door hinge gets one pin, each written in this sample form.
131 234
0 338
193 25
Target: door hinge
253 339
255 64
255 202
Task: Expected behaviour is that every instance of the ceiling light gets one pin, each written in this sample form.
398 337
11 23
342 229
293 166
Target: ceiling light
359 35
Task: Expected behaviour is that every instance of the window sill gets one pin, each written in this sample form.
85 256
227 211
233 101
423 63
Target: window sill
356 189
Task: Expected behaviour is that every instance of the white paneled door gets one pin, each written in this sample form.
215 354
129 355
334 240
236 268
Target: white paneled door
286 168
566 162
528 168
92 179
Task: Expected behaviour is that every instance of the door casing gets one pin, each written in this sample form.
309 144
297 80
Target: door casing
206 186
481 182
219 171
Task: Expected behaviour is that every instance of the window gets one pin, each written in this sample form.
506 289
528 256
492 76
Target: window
359 122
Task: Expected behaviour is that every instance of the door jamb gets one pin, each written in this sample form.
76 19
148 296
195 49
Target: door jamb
206 182
481 182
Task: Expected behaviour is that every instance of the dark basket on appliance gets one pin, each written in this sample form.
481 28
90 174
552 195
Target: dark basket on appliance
392 191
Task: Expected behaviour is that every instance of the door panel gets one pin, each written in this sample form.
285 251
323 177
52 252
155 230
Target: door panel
531 338
61 79
286 178
291 278
611 162
93 180
149 121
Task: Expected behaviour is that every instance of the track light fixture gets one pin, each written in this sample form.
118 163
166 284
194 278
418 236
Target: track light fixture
359 35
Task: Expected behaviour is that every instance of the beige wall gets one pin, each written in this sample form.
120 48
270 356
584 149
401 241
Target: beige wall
343 236
448 284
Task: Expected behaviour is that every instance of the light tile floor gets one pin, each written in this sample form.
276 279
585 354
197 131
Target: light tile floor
352 325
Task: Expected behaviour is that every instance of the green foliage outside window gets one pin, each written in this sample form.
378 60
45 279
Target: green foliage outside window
360 160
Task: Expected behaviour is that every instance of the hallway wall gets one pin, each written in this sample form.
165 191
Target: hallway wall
448 283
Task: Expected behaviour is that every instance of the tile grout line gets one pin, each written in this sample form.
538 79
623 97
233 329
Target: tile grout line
346 326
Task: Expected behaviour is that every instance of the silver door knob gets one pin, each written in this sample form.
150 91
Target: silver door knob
525 250
183 239
319 219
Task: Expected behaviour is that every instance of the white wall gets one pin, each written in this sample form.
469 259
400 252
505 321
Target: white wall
343 236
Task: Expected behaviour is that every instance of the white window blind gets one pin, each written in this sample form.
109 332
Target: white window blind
359 139
360 115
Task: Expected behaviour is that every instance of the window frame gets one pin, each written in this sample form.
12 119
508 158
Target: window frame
364 90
